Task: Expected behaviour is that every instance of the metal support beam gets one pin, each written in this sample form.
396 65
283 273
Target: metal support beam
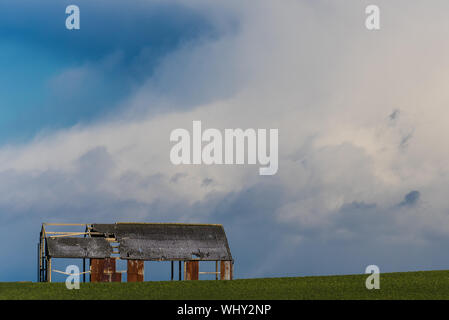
84 270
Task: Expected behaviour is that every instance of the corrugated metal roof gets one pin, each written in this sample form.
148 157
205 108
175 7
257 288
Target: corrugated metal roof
168 241
147 241
151 249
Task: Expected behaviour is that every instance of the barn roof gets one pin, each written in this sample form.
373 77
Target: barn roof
149 241
78 247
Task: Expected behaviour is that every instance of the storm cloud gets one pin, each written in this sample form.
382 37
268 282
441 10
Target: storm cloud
359 182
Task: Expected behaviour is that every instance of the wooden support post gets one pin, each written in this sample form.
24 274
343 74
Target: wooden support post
135 270
48 269
226 270
192 270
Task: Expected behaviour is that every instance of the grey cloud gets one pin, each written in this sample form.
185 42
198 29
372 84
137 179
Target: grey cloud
394 115
176 177
338 203
405 140
411 198
206 182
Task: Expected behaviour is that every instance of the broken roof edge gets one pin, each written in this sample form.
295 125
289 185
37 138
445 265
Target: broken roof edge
144 223
171 223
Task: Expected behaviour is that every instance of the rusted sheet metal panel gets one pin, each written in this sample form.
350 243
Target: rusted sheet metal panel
66 247
96 270
104 270
135 272
109 265
117 277
226 270
192 270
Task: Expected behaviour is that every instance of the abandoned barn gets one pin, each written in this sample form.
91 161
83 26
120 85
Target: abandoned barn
101 245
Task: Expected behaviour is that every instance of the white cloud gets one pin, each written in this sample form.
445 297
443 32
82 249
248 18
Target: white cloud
310 69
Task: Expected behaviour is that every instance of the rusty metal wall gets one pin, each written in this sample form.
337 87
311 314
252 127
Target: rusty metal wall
135 270
192 270
104 270
226 272
96 270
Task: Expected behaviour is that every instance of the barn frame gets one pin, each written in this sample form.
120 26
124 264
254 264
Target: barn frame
103 244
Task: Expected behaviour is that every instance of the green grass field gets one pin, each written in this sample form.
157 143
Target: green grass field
408 285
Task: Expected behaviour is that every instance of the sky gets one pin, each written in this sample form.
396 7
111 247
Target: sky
86 116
